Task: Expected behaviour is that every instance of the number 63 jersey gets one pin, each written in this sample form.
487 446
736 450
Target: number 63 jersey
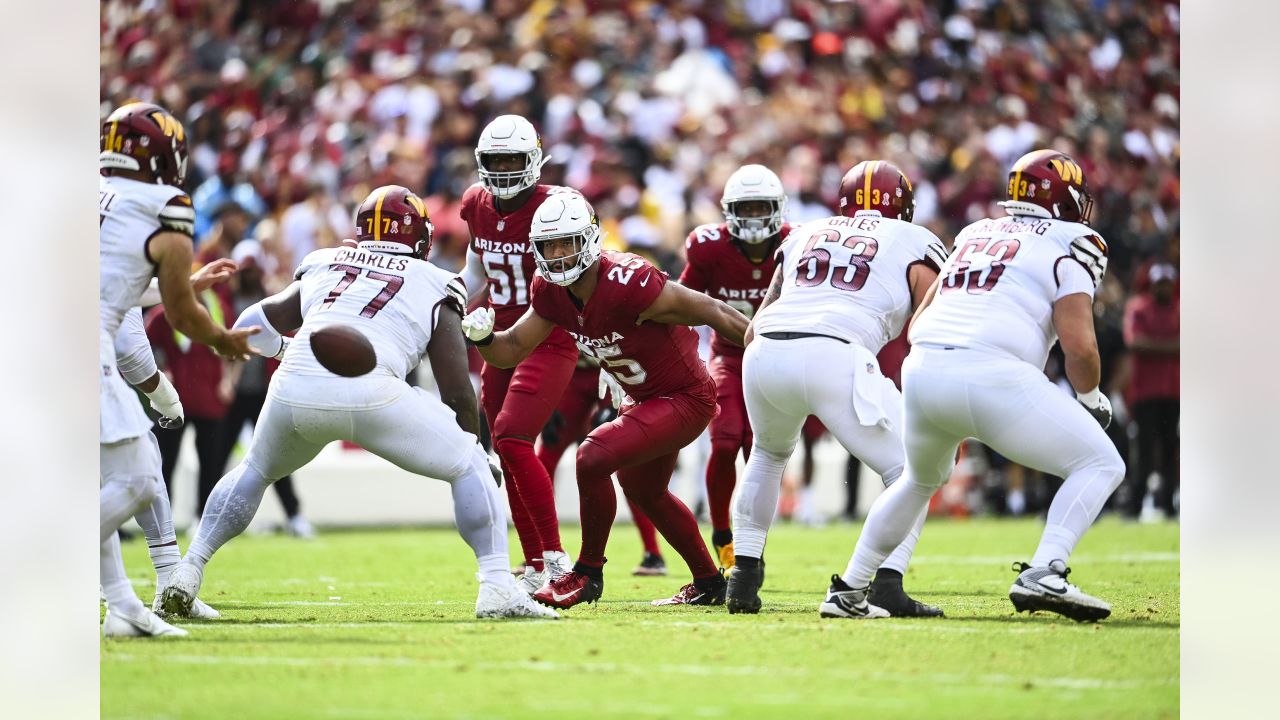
393 300
998 288
846 277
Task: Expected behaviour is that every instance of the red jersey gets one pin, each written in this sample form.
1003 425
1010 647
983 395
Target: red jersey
1155 375
649 359
502 242
717 266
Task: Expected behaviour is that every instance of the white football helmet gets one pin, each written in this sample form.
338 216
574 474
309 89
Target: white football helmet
510 135
566 215
753 182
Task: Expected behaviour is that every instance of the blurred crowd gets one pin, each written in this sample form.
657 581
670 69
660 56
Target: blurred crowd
297 108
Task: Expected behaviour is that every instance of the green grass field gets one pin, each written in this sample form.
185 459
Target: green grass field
379 624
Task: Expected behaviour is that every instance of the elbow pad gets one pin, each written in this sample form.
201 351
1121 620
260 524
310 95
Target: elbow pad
267 343
151 296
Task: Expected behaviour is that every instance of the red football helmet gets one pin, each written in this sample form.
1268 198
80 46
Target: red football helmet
394 220
1048 184
877 185
142 136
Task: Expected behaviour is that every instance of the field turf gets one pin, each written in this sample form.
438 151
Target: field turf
380 624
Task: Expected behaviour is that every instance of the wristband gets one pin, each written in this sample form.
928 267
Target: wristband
1093 398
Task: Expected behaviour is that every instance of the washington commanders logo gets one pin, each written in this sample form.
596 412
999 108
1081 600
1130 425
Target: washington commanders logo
1068 170
169 125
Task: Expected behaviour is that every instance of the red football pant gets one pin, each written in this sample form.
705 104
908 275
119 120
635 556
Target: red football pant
578 404
518 402
730 434
642 446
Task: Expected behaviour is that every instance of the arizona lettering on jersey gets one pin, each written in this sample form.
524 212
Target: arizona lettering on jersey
649 359
999 286
394 300
717 266
847 277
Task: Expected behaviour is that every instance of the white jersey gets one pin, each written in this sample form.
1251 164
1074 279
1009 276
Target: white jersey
394 300
999 286
846 277
130 213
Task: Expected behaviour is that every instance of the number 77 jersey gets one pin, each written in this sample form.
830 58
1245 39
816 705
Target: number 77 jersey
847 277
998 288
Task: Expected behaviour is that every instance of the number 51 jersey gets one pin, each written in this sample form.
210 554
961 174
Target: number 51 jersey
393 300
846 277
999 286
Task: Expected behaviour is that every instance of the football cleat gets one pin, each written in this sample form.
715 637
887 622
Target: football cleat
570 589
531 580
199 610
179 593
887 593
652 565
846 602
300 528
1046 588
509 602
743 593
148 624
691 594
556 563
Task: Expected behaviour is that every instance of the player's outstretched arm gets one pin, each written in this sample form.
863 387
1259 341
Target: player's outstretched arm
171 252
678 305
507 348
448 355
476 279
281 313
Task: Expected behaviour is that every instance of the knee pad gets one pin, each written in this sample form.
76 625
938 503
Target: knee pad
891 475
594 460
512 445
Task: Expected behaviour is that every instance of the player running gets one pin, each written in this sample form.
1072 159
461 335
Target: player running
518 400
733 262
621 309
976 369
843 288
406 307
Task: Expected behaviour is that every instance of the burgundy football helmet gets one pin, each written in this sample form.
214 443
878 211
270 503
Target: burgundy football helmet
146 137
1048 184
394 220
877 185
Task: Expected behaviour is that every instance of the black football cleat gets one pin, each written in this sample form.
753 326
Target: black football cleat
887 593
743 593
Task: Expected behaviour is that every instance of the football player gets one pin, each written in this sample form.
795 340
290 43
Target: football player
979 343
733 262
518 400
620 309
406 307
145 229
843 288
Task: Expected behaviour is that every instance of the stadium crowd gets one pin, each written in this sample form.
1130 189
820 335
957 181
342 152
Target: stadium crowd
297 108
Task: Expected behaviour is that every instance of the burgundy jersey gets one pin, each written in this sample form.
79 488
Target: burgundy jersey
649 359
502 242
717 266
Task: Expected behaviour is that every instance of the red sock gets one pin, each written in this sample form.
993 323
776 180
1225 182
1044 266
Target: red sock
722 475
533 485
648 534
680 528
598 504
529 543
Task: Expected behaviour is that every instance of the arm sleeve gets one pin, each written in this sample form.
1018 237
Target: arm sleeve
473 277
1072 277
133 349
150 296
269 342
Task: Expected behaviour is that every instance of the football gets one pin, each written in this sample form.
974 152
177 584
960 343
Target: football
343 350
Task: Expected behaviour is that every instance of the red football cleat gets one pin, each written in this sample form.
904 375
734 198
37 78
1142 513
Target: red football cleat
569 590
691 594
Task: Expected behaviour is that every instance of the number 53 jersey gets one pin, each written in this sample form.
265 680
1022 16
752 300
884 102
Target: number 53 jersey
999 286
649 359
846 277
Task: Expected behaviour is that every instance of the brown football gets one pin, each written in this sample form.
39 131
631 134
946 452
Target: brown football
343 350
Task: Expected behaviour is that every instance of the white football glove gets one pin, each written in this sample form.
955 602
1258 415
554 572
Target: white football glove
608 384
165 401
478 326
1098 406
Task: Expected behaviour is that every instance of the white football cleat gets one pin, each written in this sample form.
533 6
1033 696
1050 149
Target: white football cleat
509 602
148 624
846 602
300 528
1046 588
179 594
199 610
557 564
532 580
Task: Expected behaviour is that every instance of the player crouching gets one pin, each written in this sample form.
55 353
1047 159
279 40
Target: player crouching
406 307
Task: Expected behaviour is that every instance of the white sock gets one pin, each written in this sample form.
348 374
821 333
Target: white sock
889 522
115 582
156 521
229 510
495 569
477 512
757 501
1075 507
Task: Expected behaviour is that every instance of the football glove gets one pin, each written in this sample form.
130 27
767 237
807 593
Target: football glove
165 401
478 326
1098 406
611 386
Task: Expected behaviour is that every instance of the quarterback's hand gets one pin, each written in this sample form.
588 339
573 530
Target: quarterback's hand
215 272
614 389
234 345
1098 406
478 326
164 400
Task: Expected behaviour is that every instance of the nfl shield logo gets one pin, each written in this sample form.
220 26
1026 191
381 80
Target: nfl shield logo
871 368
755 274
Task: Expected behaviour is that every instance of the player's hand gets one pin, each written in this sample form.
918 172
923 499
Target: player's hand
614 389
478 326
219 270
171 415
1098 406
234 345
